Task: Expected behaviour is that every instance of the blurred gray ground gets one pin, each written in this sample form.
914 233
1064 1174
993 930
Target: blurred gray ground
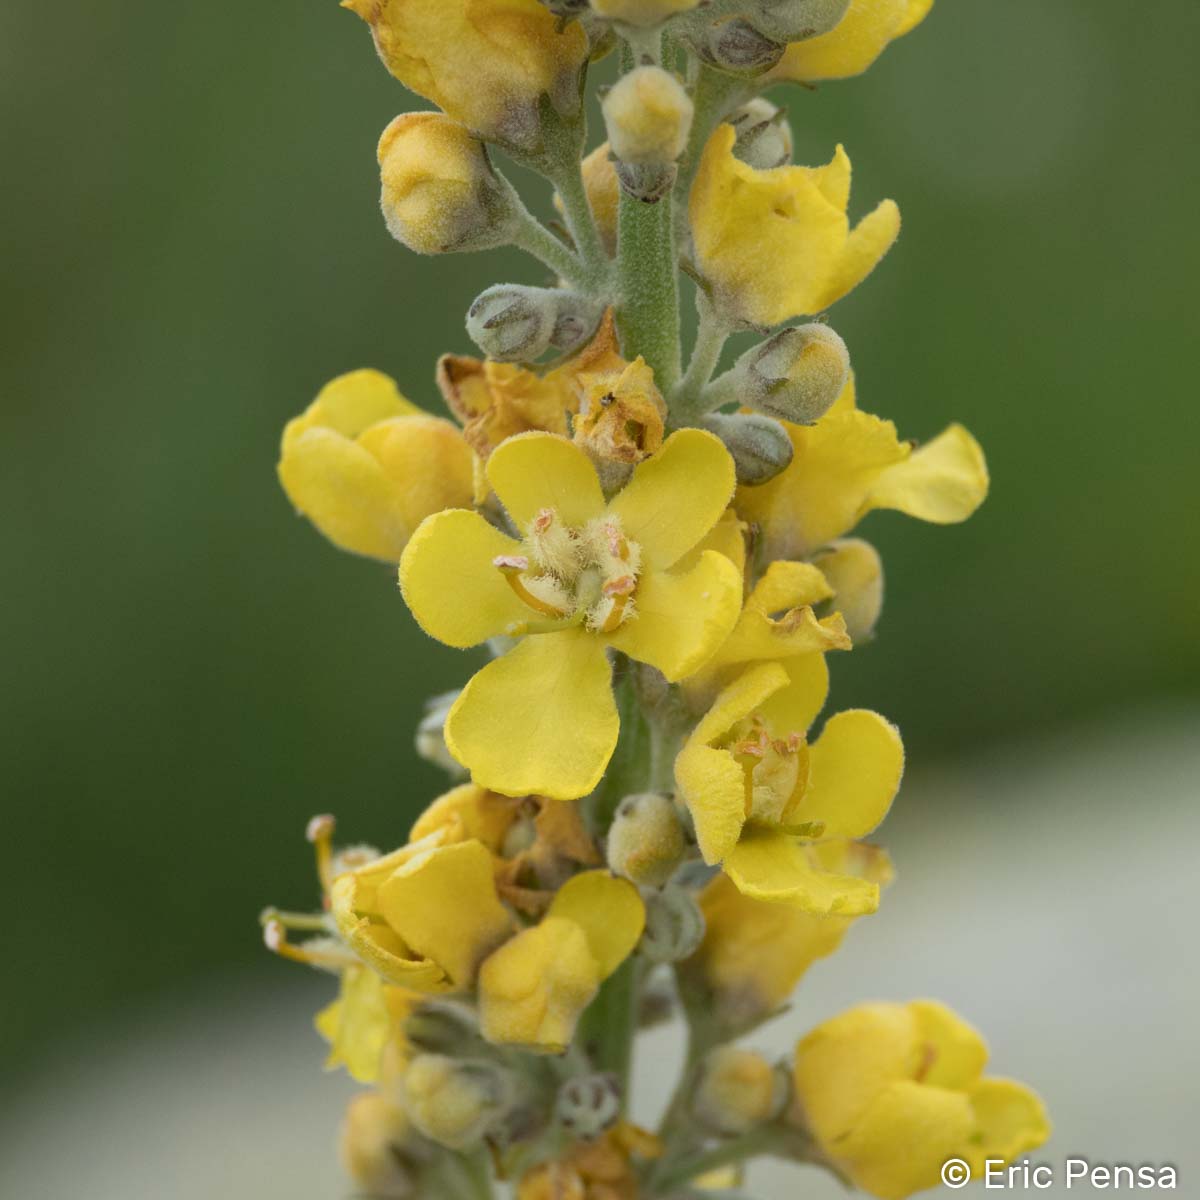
1046 891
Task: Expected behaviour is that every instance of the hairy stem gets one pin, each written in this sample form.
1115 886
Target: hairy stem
534 238
710 341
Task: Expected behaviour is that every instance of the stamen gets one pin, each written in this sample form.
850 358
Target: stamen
618 547
616 614
622 586
275 939
521 628
320 833
309 922
543 520
511 566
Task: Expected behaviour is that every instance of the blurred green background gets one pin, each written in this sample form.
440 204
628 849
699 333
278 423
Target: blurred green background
191 247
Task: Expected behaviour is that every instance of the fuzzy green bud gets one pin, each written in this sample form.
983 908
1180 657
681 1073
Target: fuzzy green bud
796 20
795 375
759 445
645 839
737 47
674 925
454 1102
737 1090
764 137
514 323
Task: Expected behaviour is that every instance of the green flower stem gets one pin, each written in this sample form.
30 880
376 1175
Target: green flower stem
534 238
676 1172
687 403
610 1023
577 211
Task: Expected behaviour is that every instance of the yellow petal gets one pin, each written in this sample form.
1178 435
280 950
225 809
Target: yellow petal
539 720
854 774
727 537
794 706
854 571
758 638
954 1052
944 481
343 490
608 910
865 245
379 946
357 1025
738 700
534 988
449 581
675 497
824 490
854 43
768 864
713 786
681 619
429 464
1010 1120
787 585
472 812
444 905
533 471
904 1137
351 403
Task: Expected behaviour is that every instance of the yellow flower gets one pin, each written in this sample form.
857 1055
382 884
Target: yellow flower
854 43
854 571
367 467
758 793
851 462
359 1024
641 12
891 1091
487 63
438 190
586 577
424 916
755 953
737 1090
777 244
533 990
648 115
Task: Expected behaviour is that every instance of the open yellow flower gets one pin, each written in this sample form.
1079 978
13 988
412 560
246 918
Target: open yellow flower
367 467
533 990
852 45
759 794
424 916
891 1091
487 63
776 244
587 576
754 953
851 462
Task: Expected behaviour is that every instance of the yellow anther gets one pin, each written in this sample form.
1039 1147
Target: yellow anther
616 614
624 585
543 520
511 566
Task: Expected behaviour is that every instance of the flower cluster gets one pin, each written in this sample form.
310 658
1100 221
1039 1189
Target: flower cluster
650 815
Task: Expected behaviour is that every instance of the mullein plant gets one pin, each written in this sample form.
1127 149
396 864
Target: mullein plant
649 815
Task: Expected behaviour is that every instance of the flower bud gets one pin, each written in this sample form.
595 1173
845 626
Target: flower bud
453 1102
439 192
674 925
738 1090
797 20
645 840
764 137
648 115
431 735
372 1145
513 323
736 46
795 375
587 1105
759 445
